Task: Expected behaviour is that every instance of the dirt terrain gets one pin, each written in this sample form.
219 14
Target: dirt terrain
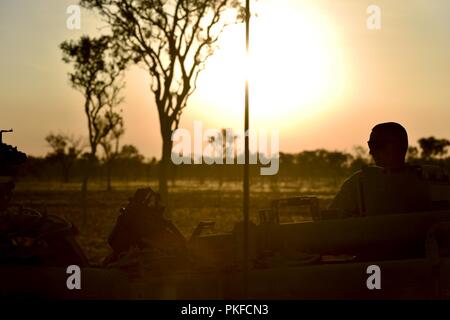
191 202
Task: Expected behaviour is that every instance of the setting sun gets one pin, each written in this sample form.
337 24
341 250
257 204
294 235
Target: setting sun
291 71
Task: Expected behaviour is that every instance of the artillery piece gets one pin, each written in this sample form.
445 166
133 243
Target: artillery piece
324 255
306 261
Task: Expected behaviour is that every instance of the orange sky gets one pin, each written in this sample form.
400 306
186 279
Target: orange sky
321 76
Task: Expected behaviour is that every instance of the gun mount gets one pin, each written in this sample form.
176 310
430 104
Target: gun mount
2 132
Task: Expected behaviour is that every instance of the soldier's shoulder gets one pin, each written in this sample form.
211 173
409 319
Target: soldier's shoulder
365 171
354 177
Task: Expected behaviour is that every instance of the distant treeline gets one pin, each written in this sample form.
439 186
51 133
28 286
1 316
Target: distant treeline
66 163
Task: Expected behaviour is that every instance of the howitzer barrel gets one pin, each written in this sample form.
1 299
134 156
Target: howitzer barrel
387 236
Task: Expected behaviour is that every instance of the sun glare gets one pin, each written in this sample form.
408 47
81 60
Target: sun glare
295 69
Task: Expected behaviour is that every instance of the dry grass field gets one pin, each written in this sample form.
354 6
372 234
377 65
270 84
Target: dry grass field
191 202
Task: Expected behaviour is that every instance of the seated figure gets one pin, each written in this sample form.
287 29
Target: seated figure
391 186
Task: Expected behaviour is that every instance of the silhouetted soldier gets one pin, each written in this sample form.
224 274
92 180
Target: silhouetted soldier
49 239
392 186
10 160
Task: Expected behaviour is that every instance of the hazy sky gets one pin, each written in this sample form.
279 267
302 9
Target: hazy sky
399 73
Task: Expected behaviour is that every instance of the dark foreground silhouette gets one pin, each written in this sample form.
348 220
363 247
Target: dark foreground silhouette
329 254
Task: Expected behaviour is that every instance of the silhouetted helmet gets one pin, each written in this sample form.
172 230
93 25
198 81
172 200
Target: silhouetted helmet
10 161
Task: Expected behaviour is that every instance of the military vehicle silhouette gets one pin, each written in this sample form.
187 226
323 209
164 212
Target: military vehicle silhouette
323 255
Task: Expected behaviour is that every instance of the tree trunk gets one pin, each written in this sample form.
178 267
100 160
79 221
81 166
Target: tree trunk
64 175
84 198
173 175
163 170
84 188
66 172
108 176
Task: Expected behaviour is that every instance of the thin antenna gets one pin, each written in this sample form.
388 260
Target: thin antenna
2 132
247 156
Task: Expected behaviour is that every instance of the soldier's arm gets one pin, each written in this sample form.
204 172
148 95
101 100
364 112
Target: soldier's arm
346 200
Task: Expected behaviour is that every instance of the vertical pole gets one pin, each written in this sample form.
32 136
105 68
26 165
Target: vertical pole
247 155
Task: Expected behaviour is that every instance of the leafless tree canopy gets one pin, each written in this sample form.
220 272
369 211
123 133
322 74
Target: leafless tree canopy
173 39
97 75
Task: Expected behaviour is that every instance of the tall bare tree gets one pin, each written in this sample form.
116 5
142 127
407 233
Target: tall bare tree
111 149
172 39
97 75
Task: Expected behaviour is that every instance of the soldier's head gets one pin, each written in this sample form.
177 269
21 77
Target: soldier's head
10 161
388 144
